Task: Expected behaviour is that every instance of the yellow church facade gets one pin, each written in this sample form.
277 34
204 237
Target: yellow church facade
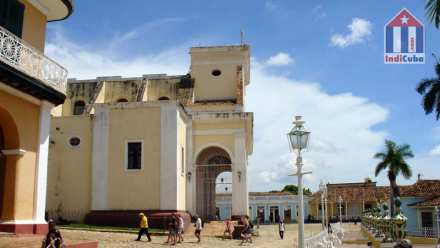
154 143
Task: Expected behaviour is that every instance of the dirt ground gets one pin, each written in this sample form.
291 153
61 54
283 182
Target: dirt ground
268 237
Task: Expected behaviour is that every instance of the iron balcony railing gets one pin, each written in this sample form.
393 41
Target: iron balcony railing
23 57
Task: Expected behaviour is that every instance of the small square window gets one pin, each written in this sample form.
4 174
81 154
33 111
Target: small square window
134 155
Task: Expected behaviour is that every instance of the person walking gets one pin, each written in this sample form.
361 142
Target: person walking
181 226
246 234
198 230
281 228
172 231
53 237
143 227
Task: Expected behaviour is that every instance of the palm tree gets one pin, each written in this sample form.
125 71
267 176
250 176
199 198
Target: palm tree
432 8
430 89
393 159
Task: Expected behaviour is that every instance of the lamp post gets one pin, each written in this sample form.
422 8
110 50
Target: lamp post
322 190
340 208
298 140
436 210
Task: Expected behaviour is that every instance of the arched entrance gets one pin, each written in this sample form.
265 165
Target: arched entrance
210 163
8 140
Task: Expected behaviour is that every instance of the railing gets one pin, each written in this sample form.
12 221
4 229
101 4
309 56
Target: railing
23 57
426 232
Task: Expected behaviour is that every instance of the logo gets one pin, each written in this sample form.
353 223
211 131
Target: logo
404 40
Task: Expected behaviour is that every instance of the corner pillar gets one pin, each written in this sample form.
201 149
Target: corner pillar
240 196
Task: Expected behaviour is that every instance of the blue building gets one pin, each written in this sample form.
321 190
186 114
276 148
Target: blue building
418 202
269 207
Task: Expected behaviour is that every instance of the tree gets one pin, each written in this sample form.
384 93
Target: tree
430 89
432 8
393 160
294 189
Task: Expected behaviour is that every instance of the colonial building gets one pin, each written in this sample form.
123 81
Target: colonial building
418 202
265 207
356 197
154 143
31 84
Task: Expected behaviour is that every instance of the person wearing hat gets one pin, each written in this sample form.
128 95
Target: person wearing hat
143 225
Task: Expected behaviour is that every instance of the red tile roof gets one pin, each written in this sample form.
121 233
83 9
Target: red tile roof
422 188
354 192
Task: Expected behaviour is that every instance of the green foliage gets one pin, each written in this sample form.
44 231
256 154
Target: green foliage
432 9
429 88
393 160
294 189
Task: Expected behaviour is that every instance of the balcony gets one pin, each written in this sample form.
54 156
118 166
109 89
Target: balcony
28 60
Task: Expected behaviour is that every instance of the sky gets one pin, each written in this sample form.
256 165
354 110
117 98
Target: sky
317 59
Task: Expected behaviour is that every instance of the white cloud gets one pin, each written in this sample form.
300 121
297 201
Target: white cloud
435 151
342 143
280 59
360 30
343 139
271 6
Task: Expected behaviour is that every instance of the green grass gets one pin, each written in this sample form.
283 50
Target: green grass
78 226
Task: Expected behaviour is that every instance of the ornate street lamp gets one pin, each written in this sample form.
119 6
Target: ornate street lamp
298 140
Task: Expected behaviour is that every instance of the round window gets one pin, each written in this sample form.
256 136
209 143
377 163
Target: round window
74 141
216 72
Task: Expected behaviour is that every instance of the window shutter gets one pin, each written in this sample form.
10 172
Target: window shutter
11 16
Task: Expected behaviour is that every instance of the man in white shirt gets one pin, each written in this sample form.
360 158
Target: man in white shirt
198 228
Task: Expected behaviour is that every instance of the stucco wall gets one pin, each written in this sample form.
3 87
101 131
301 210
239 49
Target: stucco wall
134 189
34 26
410 213
20 170
68 186
181 160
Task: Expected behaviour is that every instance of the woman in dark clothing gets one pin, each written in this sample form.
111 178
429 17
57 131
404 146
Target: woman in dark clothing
172 231
53 237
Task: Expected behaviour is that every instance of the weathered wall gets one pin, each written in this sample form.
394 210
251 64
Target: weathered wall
68 186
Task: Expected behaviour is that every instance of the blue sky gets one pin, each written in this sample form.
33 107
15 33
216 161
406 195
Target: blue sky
350 99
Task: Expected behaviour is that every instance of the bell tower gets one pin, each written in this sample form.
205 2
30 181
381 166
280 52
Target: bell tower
220 73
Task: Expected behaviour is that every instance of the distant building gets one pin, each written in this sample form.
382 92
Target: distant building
356 197
269 207
418 202
31 85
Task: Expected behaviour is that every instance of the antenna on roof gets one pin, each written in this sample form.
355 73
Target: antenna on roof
241 37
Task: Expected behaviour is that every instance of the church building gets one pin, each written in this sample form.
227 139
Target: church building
154 143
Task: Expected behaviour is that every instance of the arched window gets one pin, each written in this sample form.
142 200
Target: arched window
78 107
163 98
122 100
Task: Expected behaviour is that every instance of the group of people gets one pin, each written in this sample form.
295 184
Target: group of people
176 227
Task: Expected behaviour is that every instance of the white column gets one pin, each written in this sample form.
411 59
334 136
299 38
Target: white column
240 196
100 158
41 168
190 168
169 171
